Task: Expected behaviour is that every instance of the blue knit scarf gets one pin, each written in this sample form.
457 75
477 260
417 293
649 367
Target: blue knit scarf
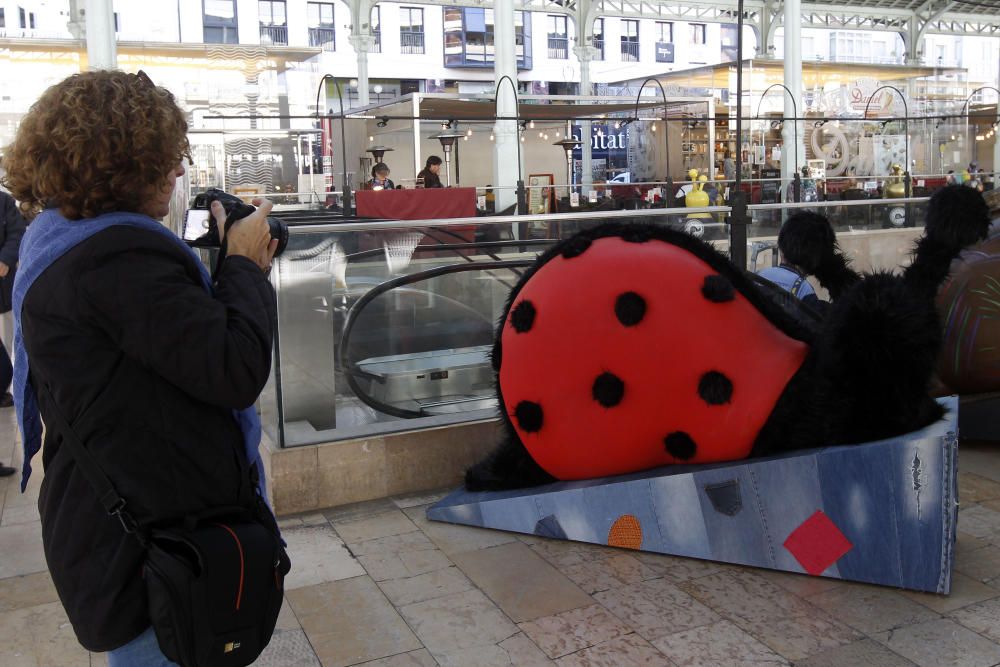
48 238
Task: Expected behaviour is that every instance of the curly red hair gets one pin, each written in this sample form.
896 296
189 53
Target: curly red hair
96 142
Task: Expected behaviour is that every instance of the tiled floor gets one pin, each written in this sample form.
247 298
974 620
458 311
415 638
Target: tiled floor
377 584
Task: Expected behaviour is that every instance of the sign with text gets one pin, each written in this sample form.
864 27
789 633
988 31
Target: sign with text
664 52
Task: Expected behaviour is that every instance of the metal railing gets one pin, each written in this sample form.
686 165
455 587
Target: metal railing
630 52
325 38
599 45
411 42
377 46
274 34
558 48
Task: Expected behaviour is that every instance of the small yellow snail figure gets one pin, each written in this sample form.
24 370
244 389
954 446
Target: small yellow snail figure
894 188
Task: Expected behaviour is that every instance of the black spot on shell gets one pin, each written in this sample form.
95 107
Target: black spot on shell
529 416
575 247
717 289
715 388
608 390
638 234
523 316
630 308
680 445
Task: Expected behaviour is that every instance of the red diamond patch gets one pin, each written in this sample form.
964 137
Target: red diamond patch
817 543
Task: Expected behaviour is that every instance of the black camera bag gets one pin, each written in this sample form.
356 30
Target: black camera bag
214 582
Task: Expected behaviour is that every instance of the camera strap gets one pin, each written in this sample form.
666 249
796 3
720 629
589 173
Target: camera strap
107 495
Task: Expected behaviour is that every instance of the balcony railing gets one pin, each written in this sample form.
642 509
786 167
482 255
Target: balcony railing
274 34
377 46
630 52
558 48
599 45
325 38
411 42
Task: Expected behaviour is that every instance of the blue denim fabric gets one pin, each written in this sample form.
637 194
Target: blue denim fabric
143 651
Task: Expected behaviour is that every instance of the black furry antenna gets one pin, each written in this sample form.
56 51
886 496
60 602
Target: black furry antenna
957 216
835 275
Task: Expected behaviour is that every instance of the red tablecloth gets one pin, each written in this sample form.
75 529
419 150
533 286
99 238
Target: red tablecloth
418 204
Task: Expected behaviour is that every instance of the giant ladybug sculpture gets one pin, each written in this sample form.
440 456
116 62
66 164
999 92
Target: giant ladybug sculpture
629 347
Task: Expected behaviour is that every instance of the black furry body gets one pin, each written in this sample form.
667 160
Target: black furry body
870 361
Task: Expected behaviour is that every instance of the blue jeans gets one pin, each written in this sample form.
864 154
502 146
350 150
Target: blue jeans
143 651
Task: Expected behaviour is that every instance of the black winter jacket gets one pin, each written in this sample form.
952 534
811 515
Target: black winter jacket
147 368
11 232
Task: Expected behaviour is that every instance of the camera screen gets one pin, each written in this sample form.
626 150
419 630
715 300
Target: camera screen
195 223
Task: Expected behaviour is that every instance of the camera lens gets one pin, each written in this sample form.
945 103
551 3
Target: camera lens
279 230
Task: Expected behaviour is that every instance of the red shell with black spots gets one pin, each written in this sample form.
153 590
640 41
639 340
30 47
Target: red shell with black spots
699 375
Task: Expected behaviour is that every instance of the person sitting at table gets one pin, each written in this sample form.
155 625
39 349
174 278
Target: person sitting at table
380 178
430 172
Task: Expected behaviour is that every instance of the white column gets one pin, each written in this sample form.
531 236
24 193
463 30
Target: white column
362 43
505 152
793 79
102 51
585 55
418 163
996 139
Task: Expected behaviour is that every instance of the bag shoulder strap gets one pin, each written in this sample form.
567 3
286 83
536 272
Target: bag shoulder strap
799 279
108 496
797 285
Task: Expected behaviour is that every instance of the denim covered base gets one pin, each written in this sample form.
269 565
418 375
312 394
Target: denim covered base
882 512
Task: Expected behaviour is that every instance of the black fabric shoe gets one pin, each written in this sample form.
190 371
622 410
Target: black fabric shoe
6 401
6 471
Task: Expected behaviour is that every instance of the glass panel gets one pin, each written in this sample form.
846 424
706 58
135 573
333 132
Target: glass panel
220 9
383 330
874 235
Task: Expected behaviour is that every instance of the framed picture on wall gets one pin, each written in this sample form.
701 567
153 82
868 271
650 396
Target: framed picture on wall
541 193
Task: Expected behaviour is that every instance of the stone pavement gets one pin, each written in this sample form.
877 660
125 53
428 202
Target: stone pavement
377 584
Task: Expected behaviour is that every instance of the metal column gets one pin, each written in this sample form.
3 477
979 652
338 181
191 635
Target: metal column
793 79
102 50
506 170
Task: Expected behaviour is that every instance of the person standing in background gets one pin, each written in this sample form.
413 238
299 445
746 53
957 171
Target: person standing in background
11 232
13 228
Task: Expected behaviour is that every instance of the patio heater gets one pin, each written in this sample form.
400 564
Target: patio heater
569 144
378 151
447 137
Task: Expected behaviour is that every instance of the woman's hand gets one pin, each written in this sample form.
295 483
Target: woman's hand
249 236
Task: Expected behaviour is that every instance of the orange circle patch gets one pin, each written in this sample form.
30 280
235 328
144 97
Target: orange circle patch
625 533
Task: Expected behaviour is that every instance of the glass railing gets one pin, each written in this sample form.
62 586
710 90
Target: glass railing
874 234
387 326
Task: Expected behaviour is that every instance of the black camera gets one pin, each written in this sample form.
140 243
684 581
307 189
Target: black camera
236 209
